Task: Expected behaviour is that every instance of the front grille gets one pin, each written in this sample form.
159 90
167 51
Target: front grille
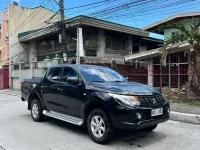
151 101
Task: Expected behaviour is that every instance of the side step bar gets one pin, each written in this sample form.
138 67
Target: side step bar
63 117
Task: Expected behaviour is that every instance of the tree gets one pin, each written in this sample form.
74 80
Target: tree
190 41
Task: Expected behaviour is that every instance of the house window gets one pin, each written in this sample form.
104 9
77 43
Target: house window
115 44
177 34
41 47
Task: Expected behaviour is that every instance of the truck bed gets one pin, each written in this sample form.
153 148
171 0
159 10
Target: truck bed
35 80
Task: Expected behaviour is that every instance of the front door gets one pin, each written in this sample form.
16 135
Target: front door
71 96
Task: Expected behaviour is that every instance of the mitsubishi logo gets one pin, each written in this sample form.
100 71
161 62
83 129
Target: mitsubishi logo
154 101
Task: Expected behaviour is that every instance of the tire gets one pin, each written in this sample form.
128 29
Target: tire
150 128
36 110
104 130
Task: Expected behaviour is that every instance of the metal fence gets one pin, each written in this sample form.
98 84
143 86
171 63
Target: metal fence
173 76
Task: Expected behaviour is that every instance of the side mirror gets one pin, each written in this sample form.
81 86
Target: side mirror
54 78
73 80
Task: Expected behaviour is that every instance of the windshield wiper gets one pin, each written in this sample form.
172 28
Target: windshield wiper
118 81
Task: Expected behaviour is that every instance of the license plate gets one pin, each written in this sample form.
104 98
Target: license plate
156 112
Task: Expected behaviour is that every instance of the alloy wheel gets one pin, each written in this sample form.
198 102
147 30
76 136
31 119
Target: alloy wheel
97 126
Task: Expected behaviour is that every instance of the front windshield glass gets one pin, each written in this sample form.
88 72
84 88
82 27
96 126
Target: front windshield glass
101 74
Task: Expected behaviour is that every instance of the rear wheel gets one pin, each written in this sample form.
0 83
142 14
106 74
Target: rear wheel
36 110
99 127
150 128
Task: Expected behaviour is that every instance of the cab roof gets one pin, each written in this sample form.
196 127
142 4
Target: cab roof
75 65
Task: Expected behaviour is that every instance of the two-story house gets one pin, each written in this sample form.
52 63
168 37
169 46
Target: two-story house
175 73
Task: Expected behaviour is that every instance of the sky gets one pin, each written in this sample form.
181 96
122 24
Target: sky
137 16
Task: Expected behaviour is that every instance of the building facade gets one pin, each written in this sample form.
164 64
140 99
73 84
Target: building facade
174 75
17 19
97 41
23 19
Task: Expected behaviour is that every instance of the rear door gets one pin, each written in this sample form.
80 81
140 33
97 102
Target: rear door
49 88
71 96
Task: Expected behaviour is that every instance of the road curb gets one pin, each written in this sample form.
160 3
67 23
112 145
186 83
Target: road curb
184 117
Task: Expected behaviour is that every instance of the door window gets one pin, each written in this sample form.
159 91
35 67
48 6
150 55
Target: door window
54 74
68 72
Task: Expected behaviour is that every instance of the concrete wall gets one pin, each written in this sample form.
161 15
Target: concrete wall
36 70
168 32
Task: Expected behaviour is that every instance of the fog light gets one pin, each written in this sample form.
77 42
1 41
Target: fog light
139 116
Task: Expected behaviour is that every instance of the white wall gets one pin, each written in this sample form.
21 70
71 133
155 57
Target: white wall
18 51
16 83
167 32
17 76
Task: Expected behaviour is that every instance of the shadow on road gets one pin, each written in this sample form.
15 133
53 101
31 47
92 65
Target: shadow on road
122 137
138 138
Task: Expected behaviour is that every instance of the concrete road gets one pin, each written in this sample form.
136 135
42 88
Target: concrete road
19 132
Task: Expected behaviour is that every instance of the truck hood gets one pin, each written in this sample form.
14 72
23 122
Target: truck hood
129 88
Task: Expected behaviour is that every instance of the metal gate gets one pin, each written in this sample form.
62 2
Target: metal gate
4 78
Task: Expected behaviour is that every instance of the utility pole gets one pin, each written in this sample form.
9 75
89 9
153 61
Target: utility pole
63 31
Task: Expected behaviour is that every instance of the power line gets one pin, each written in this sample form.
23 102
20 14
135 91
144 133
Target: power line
92 7
142 10
153 13
116 8
88 4
149 8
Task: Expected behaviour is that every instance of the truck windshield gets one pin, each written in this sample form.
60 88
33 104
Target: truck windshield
101 74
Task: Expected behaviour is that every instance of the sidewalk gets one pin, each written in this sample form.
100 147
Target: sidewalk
183 108
185 113
11 92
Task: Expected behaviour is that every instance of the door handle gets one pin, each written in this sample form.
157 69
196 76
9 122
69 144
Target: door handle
59 89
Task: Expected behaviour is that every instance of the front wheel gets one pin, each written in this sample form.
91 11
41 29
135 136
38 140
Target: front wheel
150 128
99 127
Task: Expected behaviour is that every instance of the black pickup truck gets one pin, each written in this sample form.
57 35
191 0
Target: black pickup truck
95 97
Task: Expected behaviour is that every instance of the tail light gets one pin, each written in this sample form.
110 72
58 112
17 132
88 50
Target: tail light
22 83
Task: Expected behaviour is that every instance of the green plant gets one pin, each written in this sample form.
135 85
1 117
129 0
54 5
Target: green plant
189 36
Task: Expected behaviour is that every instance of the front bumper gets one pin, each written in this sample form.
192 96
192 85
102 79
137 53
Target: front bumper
127 118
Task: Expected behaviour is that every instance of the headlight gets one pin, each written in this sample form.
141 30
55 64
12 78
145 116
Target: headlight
127 100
